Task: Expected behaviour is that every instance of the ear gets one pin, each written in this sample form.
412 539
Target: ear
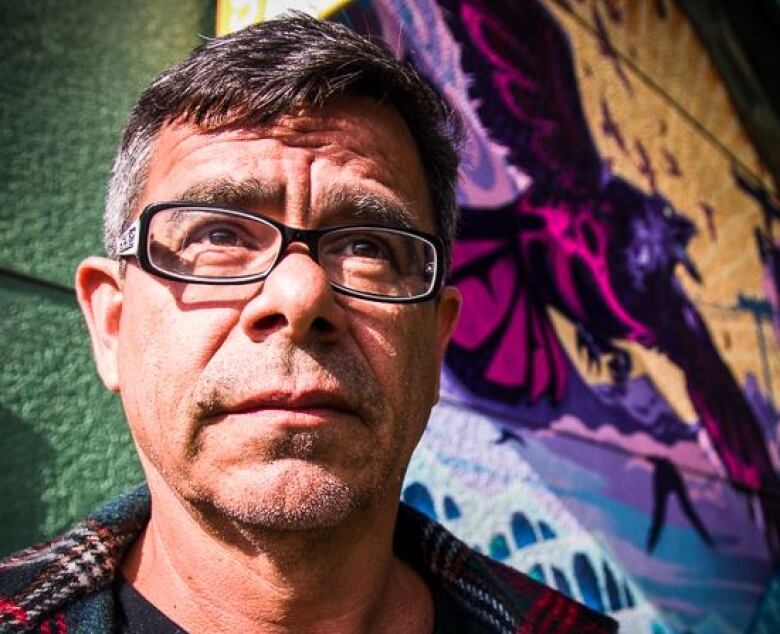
99 292
447 310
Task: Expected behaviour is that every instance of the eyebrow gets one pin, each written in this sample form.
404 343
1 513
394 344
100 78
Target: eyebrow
339 201
248 193
345 200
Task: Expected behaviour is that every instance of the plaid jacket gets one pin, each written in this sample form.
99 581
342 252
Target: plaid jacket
64 586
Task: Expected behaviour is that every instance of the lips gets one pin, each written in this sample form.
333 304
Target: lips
300 406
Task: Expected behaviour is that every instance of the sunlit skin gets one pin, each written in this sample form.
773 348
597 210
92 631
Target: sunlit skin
275 421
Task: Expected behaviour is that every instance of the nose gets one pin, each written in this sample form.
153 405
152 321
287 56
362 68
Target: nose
295 300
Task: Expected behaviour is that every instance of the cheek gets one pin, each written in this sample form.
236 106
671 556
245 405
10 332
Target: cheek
162 351
400 346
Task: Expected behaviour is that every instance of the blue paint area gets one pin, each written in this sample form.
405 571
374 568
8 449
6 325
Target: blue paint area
658 628
499 549
613 592
537 573
587 582
451 509
522 531
561 582
405 16
546 530
419 497
767 617
629 596
734 603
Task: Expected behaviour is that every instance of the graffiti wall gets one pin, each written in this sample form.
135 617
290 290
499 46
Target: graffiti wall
608 421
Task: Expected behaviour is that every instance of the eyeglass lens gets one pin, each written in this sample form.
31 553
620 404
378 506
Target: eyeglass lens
213 244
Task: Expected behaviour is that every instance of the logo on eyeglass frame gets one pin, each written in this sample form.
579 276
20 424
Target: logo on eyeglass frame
127 240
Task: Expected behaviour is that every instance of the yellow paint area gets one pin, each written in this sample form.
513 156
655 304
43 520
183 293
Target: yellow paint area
677 108
233 15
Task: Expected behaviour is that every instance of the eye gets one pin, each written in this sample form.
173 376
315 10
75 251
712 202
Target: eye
217 236
361 244
668 211
222 237
365 248
371 250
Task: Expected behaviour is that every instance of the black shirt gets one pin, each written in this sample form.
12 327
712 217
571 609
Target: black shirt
136 615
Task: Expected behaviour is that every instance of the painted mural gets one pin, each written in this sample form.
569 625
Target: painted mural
608 421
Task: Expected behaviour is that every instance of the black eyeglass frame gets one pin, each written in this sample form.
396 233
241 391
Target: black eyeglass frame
134 242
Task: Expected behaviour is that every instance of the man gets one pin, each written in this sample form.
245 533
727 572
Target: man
272 314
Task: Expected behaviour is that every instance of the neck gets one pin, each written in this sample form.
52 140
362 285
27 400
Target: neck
217 575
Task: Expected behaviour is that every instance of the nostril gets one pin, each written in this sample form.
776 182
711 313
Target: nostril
322 326
270 322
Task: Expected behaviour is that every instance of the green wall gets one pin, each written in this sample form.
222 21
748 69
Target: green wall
70 71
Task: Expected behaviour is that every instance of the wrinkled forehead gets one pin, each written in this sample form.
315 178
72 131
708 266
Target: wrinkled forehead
351 149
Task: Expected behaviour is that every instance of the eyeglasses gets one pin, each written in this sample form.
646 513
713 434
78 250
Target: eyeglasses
207 244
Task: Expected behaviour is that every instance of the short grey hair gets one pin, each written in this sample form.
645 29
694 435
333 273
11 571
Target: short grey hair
253 76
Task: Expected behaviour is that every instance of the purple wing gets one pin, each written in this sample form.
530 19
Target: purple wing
602 252
505 346
526 89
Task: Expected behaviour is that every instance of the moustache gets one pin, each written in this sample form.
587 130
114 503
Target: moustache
288 374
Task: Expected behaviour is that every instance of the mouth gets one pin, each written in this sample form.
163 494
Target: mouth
304 409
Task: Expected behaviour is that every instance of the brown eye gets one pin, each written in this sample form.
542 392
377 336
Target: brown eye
222 237
365 249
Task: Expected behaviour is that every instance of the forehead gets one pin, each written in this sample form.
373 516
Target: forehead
300 167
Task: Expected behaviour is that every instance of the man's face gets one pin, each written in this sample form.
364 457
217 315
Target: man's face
281 403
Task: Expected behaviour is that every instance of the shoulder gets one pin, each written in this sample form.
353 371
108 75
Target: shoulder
499 598
38 583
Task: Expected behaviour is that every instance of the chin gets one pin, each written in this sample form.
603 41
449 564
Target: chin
289 495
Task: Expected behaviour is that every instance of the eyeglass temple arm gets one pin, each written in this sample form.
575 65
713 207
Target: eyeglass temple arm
127 244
